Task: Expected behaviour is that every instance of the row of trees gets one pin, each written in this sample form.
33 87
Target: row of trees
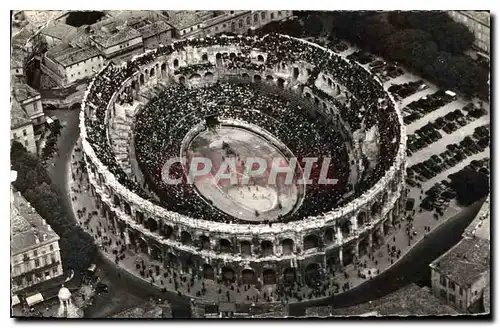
78 249
430 44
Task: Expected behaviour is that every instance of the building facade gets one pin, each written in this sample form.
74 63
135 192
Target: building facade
479 24
35 253
21 127
459 277
31 102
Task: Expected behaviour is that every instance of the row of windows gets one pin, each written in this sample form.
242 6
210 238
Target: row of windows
451 285
98 66
34 278
248 21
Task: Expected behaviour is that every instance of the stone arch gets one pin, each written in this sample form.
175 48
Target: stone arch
257 78
361 218
375 209
281 82
289 275
152 72
186 238
269 78
283 66
287 245
307 95
143 245
311 241
245 76
151 224
225 246
204 57
208 272
195 76
248 277
228 275
295 72
168 231
324 106
218 58
385 198
329 235
209 75
116 200
156 253
146 72
245 247
260 58
204 242
131 236
176 63
345 227
313 275
269 277
232 55
182 80
330 82
173 261
164 67
266 248
126 208
139 217
316 100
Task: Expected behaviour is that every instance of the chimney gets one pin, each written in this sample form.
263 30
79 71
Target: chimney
37 240
44 236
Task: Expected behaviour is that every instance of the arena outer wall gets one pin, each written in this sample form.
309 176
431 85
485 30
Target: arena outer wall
210 249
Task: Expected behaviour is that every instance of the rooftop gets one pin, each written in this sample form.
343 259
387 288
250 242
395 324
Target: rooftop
465 262
58 30
108 37
409 300
153 29
69 56
481 16
18 116
27 226
182 19
23 92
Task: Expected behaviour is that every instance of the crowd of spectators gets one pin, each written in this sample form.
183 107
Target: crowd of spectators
367 105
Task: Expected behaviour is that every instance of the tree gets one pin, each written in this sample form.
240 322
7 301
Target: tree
470 186
79 18
77 249
313 25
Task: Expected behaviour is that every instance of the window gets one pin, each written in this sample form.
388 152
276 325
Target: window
452 298
54 271
37 263
47 274
17 70
461 291
263 15
279 13
442 280
26 143
240 23
248 20
255 17
451 284
15 135
191 29
272 15
224 25
461 304
443 293
35 253
35 107
51 247
52 259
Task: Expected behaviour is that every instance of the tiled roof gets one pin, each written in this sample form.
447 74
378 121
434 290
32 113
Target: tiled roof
72 56
18 116
186 18
22 92
409 300
108 39
480 226
26 225
465 262
58 30
153 29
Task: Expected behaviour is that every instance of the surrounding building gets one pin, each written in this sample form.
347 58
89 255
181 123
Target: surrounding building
479 24
21 127
73 64
116 42
148 310
31 102
460 276
199 23
156 33
54 34
34 246
407 301
203 309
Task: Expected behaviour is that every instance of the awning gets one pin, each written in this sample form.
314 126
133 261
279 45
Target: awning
450 93
49 120
15 300
34 299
